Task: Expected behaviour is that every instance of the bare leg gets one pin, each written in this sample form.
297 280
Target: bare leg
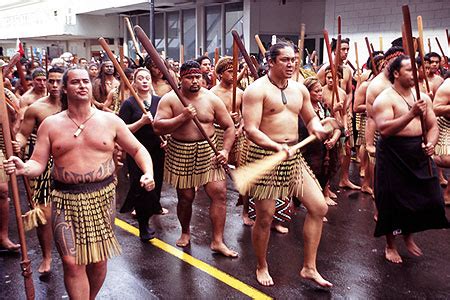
75 279
444 162
260 238
217 192
412 246
391 253
5 242
312 230
45 237
184 213
363 159
96 274
245 206
327 195
345 180
442 180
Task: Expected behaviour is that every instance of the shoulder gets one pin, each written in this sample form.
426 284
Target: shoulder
257 86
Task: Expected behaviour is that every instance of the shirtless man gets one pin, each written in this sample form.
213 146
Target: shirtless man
205 68
441 106
38 90
34 116
433 60
271 108
83 180
188 162
224 90
160 85
409 201
104 83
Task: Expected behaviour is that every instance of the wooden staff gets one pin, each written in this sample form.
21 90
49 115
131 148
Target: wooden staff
247 175
235 74
255 62
25 264
422 50
260 45
46 62
244 53
337 61
122 66
404 44
409 43
216 59
371 48
381 43
301 43
133 37
448 38
181 54
148 46
372 61
429 45
123 77
358 73
12 62
339 21
333 70
442 51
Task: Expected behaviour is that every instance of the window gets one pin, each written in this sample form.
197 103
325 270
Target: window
213 28
189 25
173 40
233 16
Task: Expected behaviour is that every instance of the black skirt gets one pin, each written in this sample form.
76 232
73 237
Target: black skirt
408 198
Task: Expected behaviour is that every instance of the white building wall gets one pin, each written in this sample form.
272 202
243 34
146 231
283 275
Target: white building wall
384 18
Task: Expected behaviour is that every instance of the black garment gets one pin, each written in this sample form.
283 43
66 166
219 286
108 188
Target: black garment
145 203
408 198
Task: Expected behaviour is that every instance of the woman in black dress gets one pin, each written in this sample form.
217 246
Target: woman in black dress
145 203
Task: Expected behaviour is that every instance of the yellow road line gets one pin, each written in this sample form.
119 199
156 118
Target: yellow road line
210 270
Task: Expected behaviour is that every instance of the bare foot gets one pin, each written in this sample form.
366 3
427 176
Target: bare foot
247 221
280 228
349 185
330 201
9 245
223 249
184 240
45 266
263 277
314 276
331 194
391 254
367 190
412 246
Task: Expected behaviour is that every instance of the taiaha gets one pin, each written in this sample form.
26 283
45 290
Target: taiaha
181 54
372 61
358 71
12 62
409 43
235 74
301 47
216 59
404 44
148 46
46 62
429 45
122 66
123 77
25 264
23 81
381 43
133 37
333 71
260 45
244 53
442 51
422 50
31 55
339 24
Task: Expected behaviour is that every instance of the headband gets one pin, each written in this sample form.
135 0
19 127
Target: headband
38 72
393 55
190 71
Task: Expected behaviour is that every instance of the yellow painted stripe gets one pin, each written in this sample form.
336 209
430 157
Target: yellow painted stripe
210 270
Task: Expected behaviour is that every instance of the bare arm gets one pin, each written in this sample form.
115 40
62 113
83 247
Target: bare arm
108 101
441 100
165 121
27 126
223 118
430 121
360 98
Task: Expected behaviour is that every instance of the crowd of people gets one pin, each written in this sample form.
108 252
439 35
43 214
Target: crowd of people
72 107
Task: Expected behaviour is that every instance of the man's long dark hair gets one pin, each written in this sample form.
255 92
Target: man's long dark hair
65 78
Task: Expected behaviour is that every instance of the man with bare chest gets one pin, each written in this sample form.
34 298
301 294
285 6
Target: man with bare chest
84 187
34 116
190 159
407 191
38 90
271 108
104 83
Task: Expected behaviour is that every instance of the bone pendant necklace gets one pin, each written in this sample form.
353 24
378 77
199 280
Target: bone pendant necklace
81 126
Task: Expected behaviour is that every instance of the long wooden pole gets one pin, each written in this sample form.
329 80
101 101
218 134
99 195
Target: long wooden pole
260 45
301 46
216 59
410 44
339 24
235 74
244 53
358 72
422 51
23 81
404 44
181 54
381 43
133 37
122 75
333 70
372 61
442 51
148 46
25 264
429 45
122 66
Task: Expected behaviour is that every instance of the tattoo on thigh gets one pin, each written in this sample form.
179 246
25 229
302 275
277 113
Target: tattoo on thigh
64 238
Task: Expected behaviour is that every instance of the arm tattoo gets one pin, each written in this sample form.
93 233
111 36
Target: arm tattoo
106 169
